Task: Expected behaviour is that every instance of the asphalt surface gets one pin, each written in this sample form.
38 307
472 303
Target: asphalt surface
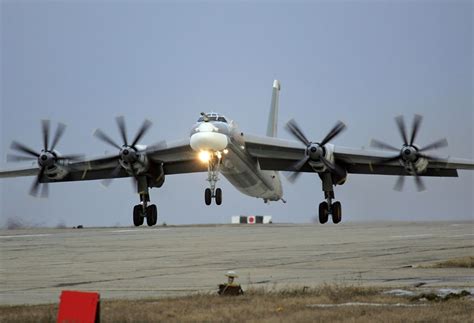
36 264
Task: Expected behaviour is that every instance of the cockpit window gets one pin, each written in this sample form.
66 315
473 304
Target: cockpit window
213 117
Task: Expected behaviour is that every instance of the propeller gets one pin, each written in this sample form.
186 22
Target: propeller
409 153
314 151
128 152
46 158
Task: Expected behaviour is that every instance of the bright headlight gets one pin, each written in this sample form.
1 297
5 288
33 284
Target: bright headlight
204 156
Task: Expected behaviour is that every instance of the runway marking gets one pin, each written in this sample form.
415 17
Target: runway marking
134 230
461 235
26 235
366 304
413 236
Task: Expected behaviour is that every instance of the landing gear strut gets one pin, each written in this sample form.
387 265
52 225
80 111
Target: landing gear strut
213 169
327 207
143 210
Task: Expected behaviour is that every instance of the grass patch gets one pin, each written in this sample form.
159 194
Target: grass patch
294 304
463 262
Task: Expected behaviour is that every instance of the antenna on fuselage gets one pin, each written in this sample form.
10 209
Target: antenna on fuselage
205 117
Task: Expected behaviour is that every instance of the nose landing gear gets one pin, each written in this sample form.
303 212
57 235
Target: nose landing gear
217 196
213 170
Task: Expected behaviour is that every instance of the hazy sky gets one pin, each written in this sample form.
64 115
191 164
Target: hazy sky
363 62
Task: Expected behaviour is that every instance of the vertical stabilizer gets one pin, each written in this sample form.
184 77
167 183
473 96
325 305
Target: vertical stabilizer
273 116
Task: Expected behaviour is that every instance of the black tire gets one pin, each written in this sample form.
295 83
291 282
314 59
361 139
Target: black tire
151 215
336 212
208 196
323 212
137 215
218 196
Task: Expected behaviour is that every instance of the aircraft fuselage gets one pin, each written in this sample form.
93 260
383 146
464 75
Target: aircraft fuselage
223 140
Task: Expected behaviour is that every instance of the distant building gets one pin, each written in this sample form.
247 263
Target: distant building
252 219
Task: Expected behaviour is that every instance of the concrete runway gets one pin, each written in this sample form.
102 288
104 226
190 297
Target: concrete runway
35 265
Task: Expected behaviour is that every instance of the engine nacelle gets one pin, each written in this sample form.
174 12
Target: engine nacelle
314 151
56 171
134 158
156 177
339 179
420 165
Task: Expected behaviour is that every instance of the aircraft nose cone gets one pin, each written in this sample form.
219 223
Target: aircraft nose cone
205 127
208 140
407 152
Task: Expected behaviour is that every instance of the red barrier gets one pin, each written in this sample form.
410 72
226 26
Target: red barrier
79 307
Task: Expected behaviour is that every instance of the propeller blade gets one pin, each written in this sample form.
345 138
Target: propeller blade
134 179
333 167
45 128
399 184
20 147
141 132
45 190
433 158
381 145
134 172
16 158
299 164
72 157
336 130
134 183
106 182
292 176
102 136
418 181
36 182
156 147
293 128
57 136
122 129
387 160
415 127
435 145
402 128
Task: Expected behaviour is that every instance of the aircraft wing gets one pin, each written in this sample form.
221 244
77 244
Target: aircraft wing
280 154
175 158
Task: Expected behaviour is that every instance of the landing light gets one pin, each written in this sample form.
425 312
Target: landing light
204 156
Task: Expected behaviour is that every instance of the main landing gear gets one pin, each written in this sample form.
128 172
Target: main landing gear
208 196
327 207
213 168
143 210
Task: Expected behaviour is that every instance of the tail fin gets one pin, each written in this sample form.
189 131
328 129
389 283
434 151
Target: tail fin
273 116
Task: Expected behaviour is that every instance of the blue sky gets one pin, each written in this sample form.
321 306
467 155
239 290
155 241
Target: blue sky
362 62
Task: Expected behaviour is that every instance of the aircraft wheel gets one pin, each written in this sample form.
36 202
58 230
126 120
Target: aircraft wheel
137 215
323 212
336 212
208 196
152 215
218 196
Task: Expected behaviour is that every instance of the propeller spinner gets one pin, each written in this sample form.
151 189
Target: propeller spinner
315 151
46 158
409 153
128 153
